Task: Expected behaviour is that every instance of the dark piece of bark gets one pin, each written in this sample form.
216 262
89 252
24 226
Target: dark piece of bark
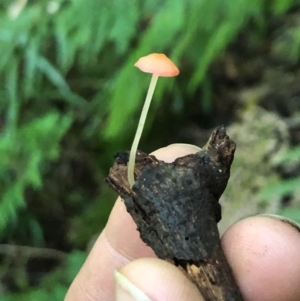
175 206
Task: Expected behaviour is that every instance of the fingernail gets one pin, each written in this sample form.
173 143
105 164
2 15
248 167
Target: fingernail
284 220
127 291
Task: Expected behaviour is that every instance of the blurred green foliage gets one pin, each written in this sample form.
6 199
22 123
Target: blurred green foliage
70 98
53 286
285 187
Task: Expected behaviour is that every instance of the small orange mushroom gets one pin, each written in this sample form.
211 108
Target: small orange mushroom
159 65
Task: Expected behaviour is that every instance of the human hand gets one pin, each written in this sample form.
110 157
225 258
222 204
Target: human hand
263 252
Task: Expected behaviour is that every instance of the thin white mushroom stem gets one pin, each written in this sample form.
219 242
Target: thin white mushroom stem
138 134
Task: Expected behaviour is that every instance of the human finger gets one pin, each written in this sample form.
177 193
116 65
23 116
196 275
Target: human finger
264 253
152 279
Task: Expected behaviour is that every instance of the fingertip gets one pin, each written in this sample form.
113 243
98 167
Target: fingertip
160 280
174 151
264 255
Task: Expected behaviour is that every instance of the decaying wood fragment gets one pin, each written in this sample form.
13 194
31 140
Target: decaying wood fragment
175 206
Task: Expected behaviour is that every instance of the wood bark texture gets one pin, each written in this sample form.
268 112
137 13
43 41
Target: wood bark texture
175 207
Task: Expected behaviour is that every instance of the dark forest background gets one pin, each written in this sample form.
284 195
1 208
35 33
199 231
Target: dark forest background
70 98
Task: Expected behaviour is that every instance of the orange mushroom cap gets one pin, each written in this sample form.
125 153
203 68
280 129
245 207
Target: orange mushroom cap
158 64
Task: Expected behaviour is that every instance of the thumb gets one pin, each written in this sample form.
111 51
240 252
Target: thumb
152 279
